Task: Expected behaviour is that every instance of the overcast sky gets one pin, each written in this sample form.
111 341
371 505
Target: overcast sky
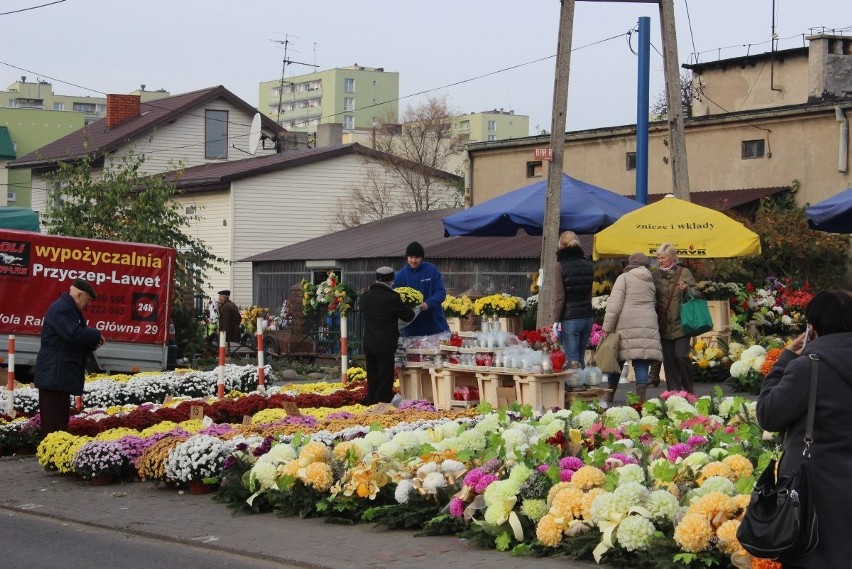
183 45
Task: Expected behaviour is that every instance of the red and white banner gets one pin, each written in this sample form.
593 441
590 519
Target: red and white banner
133 282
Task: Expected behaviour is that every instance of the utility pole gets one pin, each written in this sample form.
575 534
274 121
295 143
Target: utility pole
553 203
677 137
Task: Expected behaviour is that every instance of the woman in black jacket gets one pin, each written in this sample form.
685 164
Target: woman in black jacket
783 406
572 285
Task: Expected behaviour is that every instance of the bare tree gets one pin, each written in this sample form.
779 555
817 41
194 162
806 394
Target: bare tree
411 174
660 108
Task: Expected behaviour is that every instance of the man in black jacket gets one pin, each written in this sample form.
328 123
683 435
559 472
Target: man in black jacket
66 343
382 309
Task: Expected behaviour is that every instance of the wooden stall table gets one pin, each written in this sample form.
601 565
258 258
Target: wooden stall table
541 389
589 395
415 383
496 387
445 381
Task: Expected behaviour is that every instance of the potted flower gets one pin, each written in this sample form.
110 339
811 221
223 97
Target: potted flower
198 462
101 462
504 308
411 297
459 313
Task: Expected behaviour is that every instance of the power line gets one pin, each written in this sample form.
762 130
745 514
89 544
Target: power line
31 8
691 35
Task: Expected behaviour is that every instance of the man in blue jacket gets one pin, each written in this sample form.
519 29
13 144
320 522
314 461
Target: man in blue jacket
66 343
426 278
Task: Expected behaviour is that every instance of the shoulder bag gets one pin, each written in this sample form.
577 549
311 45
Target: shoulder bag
695 316
606 354
781 520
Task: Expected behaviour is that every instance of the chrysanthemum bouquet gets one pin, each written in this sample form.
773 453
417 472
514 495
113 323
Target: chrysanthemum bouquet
410 297
331 295
500 305
97 458
457 306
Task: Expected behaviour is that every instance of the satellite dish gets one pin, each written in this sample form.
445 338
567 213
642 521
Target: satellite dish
254 134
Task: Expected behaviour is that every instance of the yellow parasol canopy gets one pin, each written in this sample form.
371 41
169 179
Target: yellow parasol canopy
695 231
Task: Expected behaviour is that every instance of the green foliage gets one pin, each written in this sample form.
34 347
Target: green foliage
789 248
122 203
190 340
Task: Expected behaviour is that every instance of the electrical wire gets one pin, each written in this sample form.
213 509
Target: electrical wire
31 8
691 35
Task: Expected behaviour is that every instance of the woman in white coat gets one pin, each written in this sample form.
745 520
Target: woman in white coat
630 311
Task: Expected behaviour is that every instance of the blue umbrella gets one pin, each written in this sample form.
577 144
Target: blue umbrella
833 215
585 208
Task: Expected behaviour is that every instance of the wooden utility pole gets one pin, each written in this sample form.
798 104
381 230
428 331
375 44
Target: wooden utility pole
677 137
553 203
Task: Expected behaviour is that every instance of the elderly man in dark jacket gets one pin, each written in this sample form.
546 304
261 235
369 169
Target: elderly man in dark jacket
66 343
382 308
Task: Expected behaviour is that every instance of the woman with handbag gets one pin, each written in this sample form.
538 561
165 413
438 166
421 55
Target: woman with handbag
672 282
782 406
630 312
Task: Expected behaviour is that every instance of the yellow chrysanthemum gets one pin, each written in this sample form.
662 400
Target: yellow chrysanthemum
548 532
266 416
568 503
740 465
727 535
716 469
588 477
693 533
741 502
714 507
115 434
555 489
588 500
290 468
314 452
192 425
700 345
163 427
318 475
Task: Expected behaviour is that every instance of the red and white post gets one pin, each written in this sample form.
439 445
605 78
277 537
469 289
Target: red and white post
344 349
10 379
261 380
223 348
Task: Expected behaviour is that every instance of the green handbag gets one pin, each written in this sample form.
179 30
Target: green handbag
695 316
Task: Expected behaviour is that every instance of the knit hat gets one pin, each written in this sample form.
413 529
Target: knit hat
384 274
637 260
84 285
414 249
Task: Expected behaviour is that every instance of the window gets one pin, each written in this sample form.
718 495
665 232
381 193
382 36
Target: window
58 106
349 85
631 160
492 137
189 210
11 196
84 107
348 122
534 169
348 103
215 134
100 108
752 149
464 125
492 126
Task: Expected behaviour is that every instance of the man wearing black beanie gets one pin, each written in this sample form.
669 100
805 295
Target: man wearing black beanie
426 278
382 309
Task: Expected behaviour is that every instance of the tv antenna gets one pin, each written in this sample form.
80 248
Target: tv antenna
284 63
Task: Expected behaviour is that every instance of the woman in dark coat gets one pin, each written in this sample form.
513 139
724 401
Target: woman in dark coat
783 405
573 276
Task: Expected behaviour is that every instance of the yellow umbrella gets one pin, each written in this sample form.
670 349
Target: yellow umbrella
695 231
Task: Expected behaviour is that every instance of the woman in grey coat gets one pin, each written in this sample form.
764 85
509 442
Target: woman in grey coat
630 311
783 406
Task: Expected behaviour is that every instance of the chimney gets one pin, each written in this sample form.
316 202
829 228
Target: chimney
121 108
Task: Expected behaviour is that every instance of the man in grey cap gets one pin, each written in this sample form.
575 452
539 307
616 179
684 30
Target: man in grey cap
66 343
382 308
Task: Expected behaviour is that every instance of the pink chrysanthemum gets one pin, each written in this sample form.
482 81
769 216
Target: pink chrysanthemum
456 508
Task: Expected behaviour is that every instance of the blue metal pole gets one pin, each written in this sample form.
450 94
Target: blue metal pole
642 110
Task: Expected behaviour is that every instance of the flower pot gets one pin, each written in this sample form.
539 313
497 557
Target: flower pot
199 487
102 480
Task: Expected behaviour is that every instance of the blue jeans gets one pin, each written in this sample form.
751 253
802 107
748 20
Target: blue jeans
640 371
575 339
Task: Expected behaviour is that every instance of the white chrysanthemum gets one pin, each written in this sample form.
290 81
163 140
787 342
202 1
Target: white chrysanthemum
634 533
602 507
519 474
515 441
649 421
452 466
628 495
663 505
375 438
676 405
548 430
280 453
433 481
718 453
403 489
427 468
718 484
363 445
406 440
263 475
472 440
449 429
489 424
620 415
390 449
585 419
739 368
630 473
696 460
735 350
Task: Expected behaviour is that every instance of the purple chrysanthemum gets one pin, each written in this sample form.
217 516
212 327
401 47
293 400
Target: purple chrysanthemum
680 450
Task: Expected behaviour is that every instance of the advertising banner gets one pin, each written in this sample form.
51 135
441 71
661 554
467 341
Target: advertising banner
133 282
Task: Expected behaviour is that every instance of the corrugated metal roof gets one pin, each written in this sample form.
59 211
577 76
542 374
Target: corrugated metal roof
96 139
389 237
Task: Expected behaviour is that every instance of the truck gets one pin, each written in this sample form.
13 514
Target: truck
133 281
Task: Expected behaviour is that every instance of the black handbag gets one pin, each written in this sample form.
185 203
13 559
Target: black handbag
781 520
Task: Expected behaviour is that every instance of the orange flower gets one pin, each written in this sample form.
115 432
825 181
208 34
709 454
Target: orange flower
771 356
764 564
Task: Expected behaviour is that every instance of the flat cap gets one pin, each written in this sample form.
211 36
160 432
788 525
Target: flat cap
84 285
225 292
